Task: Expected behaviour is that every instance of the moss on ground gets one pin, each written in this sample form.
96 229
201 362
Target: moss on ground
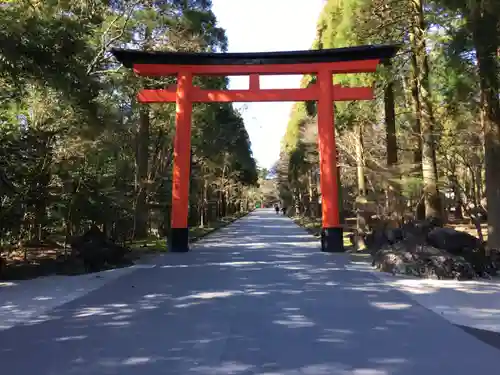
313 226
158 245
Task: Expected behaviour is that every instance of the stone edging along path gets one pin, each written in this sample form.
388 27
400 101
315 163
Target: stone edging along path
214 230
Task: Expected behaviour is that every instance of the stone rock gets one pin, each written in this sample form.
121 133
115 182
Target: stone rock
96 250
384 236
394 235
426 249
453 241
422 261
465 245
420 228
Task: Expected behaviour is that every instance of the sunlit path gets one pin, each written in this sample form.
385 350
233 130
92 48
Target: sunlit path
258 297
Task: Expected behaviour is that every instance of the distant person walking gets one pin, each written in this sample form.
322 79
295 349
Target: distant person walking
277 209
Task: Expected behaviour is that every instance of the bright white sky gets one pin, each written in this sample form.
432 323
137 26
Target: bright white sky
263 26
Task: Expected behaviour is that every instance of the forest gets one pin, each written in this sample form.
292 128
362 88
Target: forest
428 147
79 155
78 150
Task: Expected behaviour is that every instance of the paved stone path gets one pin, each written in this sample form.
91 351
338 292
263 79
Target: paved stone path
258 297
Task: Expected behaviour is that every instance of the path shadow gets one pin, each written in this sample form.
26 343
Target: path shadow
231 307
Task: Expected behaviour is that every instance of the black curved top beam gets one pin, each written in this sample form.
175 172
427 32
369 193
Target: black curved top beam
130 57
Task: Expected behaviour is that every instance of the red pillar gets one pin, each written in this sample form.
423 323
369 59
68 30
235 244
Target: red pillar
331 233
179 235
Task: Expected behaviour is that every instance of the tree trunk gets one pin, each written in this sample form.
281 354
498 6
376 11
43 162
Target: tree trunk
222 204
340 192
458 203
425 114
40 206
142 158
360 163
313 195
472 186
483 23
360 167
204 204
393 190
297 201
416 128
479 184
390 125
228 210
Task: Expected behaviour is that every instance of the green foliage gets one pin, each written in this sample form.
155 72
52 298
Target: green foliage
72 131
455 95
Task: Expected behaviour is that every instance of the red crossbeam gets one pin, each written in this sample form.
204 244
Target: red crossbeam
361 66
198 95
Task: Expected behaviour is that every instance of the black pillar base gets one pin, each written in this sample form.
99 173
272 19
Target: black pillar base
332 240
179 240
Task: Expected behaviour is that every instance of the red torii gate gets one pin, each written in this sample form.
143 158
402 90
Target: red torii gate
322 63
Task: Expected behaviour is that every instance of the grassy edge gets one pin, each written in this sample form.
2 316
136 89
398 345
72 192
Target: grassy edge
313 227
204 232
142 249
153 246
